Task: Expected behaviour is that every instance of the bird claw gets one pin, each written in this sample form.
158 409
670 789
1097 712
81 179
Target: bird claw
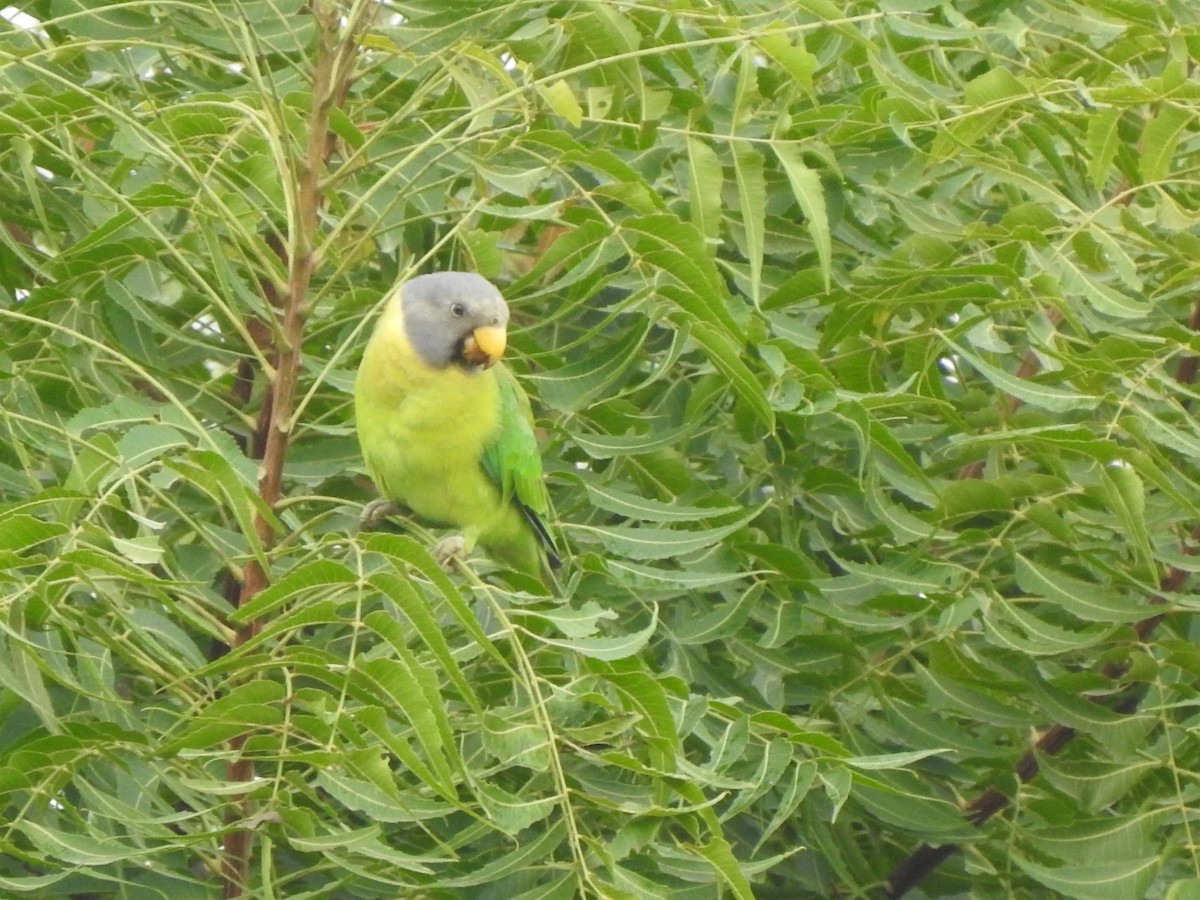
450 551
376 511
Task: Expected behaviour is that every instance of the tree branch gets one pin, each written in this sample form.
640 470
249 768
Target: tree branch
331 81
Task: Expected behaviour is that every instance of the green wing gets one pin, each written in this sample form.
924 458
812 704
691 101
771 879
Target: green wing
512 460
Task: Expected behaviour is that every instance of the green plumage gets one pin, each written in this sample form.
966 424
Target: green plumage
446 435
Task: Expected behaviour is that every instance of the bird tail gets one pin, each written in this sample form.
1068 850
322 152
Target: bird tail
551 561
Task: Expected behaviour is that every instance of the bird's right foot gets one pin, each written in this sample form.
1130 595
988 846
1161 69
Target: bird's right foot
376 511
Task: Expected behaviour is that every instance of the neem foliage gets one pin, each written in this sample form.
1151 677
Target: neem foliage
860 338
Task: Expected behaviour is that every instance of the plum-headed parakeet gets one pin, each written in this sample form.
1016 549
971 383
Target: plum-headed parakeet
445 429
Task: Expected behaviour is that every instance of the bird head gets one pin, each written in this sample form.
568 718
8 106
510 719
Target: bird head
455 319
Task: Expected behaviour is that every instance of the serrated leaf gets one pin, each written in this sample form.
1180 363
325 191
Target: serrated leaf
515 742
632 506
575 385
521 858
608 446
752 202
1103 297
720 854
1102 142
1100 879
643 694
722 354
794 58
562 100
1160 138
1012 626
511 812
312 576
1090 602
892 760
21 532
705 178
722 622
416 609
365 797
607 648
810 194
368 844
943 692
1126 496
71 847
1052 399
679 250
906 527
661 543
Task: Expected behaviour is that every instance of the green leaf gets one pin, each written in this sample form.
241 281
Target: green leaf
721 623
725 357
809 193
1087 601
515 742
22 532
661 543
705 178
944 692
511 813
365 843
752 201
421 619
631 506
720 854
678 250
575 386
562 100
1126 497
607 446
365 797
794 58
1099 879
642 693
891 760
314 576
1106 299
72 848
1043 396
413 690
1103 140
607 648
1160 139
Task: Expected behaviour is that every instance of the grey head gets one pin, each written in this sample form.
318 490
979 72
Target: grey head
454 319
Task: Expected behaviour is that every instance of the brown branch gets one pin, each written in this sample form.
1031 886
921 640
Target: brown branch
919 864
1188 368
331 83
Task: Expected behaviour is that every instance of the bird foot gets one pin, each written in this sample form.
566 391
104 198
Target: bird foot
450 552
376 511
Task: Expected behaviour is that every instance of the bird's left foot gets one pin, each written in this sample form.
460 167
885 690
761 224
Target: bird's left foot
450 552
376 511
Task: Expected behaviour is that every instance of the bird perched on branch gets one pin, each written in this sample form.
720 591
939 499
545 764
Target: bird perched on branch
446 431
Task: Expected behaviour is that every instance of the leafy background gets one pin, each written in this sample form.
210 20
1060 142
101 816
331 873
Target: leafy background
862 338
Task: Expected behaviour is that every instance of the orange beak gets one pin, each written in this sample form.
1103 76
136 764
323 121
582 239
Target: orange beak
485 345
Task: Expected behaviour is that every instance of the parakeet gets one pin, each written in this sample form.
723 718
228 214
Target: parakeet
446 430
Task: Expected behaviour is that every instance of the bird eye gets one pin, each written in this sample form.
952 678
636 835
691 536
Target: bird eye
457 310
